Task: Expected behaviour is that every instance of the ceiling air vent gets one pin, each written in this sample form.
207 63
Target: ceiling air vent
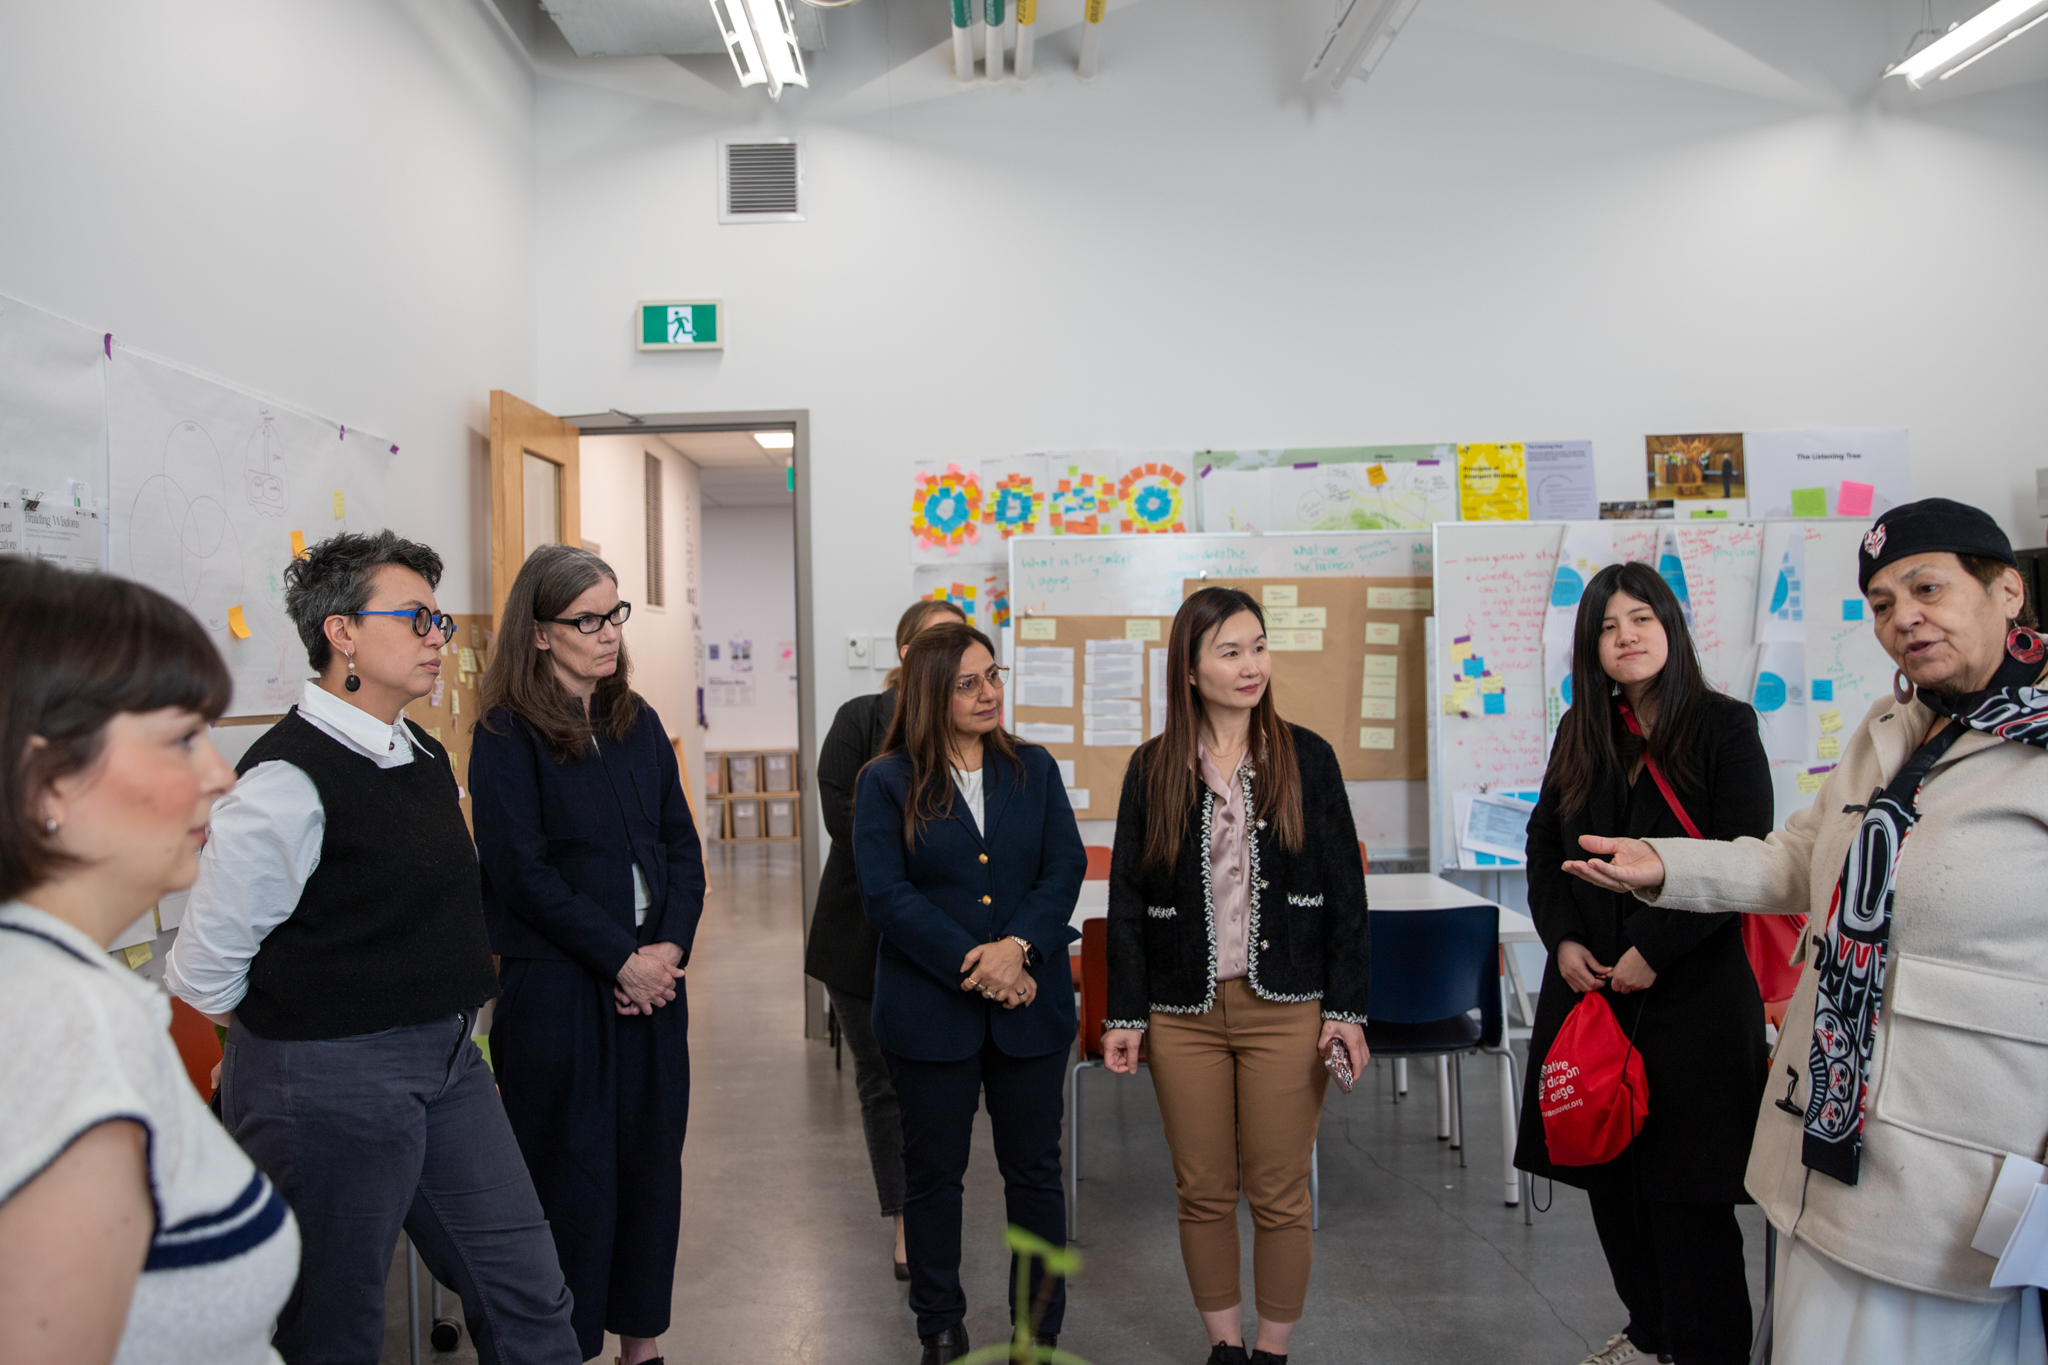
761 181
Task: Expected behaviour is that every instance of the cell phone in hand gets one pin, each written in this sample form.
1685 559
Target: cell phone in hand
1338 1064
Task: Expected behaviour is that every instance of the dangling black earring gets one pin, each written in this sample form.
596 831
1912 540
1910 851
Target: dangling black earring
352 682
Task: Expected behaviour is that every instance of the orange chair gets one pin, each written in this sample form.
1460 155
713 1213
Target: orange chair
198 1045
1098 863
1364 863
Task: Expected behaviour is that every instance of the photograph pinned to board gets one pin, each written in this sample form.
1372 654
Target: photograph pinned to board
1379 496
1493 482
1854 472
1696 467
1561 485
1493 827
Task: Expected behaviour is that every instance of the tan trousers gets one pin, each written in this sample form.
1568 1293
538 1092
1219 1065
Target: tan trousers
1241 1088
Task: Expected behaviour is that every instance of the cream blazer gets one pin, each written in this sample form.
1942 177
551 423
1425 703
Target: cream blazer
1959 1071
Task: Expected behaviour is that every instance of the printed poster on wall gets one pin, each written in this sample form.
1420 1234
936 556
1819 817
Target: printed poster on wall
1493 482
1856 472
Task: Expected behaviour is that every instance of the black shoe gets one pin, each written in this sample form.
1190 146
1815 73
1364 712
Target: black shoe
1267 1358
944 1346
1223 1353
1050 1340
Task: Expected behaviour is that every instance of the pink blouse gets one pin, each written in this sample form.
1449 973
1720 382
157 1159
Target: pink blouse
1230 897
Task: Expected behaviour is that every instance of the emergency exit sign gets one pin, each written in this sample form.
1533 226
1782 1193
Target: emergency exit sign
682 325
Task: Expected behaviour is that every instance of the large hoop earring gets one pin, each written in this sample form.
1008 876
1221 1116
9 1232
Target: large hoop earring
352 682
2025 646
1902 686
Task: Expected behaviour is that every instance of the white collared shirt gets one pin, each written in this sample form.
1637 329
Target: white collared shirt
263 849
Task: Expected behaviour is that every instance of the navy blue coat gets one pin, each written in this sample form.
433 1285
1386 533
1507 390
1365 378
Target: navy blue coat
933 903
558 842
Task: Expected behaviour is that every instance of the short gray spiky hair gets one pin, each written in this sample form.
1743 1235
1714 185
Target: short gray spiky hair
334 580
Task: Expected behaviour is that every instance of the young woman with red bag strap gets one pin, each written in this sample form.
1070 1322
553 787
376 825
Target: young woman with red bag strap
1648 749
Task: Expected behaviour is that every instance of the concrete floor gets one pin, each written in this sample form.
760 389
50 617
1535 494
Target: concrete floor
785 1258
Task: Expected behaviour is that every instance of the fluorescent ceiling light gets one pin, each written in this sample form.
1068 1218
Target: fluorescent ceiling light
1364 30
775 440
761 37
1979 35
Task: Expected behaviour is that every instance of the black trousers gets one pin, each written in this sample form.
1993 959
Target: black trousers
599 1102
1678 1269
881 1122
938 1102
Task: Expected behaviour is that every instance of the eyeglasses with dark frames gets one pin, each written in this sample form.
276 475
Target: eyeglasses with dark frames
590 623
423 620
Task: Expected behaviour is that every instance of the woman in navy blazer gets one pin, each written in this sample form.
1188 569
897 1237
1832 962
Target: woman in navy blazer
970 865
593 882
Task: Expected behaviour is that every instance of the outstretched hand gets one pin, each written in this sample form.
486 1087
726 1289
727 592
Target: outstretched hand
1632 864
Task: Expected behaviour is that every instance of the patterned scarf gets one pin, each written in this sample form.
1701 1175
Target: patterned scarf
1852 971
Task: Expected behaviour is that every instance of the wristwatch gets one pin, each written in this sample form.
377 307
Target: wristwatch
1031 955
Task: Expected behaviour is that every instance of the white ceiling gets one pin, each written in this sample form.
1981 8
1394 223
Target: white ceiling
658 28
735 470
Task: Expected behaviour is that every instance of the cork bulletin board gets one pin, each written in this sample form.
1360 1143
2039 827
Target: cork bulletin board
1096 768
448 713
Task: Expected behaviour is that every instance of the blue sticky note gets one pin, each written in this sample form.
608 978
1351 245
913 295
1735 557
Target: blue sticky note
1852 609
1474 666
1823 689
1496 703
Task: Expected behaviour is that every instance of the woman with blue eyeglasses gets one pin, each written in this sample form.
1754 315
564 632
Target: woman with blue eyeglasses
593 881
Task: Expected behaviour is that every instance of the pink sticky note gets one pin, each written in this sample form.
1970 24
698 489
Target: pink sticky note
1854 499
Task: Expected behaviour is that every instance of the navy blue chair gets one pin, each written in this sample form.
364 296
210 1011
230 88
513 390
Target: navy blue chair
1433 971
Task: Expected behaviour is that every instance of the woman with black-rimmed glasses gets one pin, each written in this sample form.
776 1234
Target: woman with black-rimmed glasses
593 881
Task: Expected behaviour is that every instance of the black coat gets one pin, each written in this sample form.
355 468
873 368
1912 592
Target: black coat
841 950
1700 1027
1309 939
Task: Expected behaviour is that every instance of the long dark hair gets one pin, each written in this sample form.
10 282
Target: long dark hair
1593 745
1172 782
913 621
521 677
923 724
76 650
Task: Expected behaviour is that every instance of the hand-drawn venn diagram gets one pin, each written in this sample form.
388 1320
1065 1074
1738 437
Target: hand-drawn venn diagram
181 540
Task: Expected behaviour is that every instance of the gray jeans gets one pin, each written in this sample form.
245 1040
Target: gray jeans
880 1121
398 1129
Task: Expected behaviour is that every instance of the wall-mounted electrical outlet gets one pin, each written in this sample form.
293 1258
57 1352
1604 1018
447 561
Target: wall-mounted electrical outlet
856 651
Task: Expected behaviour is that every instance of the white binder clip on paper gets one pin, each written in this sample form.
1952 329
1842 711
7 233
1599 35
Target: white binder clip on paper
2015 1224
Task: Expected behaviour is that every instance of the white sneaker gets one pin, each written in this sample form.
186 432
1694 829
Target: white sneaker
1619 1350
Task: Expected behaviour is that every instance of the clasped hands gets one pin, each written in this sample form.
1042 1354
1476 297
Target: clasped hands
997 970
1631 866
648 980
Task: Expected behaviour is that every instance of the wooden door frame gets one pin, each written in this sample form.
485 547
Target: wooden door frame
518 427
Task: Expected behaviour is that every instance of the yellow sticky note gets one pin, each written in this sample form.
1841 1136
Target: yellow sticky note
1298 618
340 505
1375 737
1141 630
1376 708
1830 721
1462 689
1492 685
1382 665
1039 628
1382 633
1451 707
1280 595
135 954
237 624
1381 687
1303 641
466 660
1461 652
435 731
1830 746
1809 783
298 545
1398 599
1375 474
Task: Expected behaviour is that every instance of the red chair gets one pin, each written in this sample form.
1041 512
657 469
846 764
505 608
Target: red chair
198 1045
1098 863
1364 863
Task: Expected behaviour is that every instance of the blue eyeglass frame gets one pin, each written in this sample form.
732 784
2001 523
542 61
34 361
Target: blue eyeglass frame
435 620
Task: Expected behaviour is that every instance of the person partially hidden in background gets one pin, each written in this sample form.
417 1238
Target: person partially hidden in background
337 929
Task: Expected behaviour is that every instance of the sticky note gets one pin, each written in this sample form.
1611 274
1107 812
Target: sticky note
1298 618
1496 703
1382 633
1303 641
1280 595
1830 721
1376 708
1810 782
1375 737
1141 630
340 505
1382 665
1450 705
454 701
1381 687
1809 502
1463 689
1039 628
1375 474
1852 609
1830 746
1398 599
434 697
1461 650
1823 689
1489 683
1474 666
1710 514
1854 499
135 954
298 545
466 660
237 623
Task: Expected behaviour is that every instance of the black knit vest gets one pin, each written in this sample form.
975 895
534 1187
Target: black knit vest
390 929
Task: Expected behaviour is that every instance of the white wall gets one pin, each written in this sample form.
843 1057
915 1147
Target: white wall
330 203
1492 239
750 594
664 643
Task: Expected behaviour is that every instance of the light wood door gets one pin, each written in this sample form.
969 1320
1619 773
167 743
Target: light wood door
535 488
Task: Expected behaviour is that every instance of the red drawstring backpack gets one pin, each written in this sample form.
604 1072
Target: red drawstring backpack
1595 1093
